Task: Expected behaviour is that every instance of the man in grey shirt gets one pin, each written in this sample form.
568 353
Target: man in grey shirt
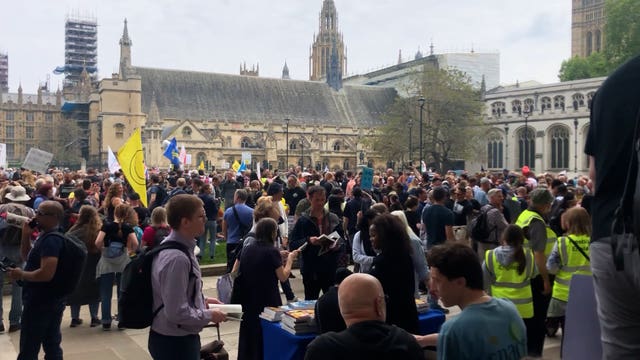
177 286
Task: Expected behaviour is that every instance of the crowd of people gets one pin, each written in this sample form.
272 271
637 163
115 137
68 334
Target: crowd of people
389 232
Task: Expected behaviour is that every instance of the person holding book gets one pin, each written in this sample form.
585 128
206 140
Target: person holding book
367 336
261 267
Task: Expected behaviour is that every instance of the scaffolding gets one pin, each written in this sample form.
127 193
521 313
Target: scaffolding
81 49
4 72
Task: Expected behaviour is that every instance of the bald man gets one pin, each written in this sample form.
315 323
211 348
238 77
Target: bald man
363 307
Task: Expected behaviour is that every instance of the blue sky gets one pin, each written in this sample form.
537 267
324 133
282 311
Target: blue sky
217 35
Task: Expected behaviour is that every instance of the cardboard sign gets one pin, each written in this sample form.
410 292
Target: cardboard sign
37 160
3 155
246 157
367 178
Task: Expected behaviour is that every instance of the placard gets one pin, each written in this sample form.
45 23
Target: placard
367 178
246 157
37 160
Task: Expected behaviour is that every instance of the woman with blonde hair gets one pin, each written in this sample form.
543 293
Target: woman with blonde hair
157 230
112 200
86 229
116 240
420 268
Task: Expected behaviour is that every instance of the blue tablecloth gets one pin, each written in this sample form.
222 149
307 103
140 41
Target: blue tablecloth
279 344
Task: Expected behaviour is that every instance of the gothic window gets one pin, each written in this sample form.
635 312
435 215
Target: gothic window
526 147
10 132
201 158
559 147
578 101
529 105
589 43
598 40
558 102
11 151
293 145
29 132
119 129
10 115
495 151
336 146
498 108
281 164
48 117
245 143
590 99
546 103
186 132
345 165
516 106
29 116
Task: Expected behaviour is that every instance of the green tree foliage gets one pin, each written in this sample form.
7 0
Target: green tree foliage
621 43
451 125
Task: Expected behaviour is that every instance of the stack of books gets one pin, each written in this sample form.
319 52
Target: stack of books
302 305
273 314
422 306
299 322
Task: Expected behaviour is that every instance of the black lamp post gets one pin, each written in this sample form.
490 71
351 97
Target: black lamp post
302 153
575 154
410 145
421 101
286 166
506 145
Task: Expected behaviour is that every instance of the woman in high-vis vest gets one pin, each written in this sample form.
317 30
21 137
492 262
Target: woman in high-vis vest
508 270
570 256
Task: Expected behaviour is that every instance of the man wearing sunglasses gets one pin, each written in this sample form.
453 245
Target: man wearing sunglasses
43 305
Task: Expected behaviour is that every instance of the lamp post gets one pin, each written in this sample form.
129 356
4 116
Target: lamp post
506 145
421 101
410 145
302 153
575 153
526 114
286 166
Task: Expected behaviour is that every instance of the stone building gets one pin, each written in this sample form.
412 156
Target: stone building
327 58
31 120
217 117
588 19
542 126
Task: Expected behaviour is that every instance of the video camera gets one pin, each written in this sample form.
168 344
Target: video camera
5 264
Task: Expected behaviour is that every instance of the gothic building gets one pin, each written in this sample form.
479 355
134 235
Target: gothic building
587 27
328 59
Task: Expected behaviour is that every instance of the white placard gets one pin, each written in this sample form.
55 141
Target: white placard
3 155
188 159
246 157
37 160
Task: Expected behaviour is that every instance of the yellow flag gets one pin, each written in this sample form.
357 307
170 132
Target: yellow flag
131 159
235 166
201 167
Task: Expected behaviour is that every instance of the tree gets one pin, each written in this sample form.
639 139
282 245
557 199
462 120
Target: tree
451 122
621 43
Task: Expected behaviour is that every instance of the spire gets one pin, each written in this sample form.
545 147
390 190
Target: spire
125 40
125 53
334 76
399 56
321 48
20 93
418 54
483 87
328 16
431 48
285 71
154 113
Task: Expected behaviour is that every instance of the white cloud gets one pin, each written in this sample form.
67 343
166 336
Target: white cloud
217 35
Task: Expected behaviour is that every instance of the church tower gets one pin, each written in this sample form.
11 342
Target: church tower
588 19
325 41
125 53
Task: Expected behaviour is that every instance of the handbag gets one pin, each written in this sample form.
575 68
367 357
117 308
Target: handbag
215 349
114 249
225 288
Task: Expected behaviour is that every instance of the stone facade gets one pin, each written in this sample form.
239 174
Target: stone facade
328 46
587 27
557 119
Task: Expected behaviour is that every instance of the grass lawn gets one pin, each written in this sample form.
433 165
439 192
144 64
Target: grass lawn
220 255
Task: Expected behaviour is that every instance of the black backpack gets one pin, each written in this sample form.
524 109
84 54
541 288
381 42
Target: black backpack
479 227
71 260
135 306
160 200
159 235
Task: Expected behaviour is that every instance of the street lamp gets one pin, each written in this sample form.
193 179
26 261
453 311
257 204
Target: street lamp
286 166
526 114
506 145
302 154
575 154
410 145
421 101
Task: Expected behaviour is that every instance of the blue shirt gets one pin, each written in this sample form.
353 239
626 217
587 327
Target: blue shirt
245 215
490 330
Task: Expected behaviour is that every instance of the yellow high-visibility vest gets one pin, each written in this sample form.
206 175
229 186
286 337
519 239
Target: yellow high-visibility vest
510 285
523 222
573 262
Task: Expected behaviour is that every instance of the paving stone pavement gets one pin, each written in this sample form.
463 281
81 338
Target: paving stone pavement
83 342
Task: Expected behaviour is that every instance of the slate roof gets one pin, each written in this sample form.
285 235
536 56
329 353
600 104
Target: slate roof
234 98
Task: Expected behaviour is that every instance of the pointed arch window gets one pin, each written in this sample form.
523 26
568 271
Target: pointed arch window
345 165
526 147
578 101
293 145
558 102
201 158
529 105
186 132
245 143
589 43
119 131
337 146
495 151
516 106
545 103
559 147
590 99
498 108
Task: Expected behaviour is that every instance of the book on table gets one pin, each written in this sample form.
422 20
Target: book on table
328 242
422 306
298 317
300 330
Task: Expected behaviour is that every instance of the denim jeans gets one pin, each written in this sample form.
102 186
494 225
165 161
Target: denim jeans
41 326
106 294
210 227
93 310
286 288
16 301
163 347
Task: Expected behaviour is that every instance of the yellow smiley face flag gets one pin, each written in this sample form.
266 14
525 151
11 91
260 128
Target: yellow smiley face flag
131 159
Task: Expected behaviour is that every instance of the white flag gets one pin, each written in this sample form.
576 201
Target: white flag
113 162
258 171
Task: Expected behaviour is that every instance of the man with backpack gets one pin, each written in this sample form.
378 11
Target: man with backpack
487 228
181 309
238 220
42 297
156 193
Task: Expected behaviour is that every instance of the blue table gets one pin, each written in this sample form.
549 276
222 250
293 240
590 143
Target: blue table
279 344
